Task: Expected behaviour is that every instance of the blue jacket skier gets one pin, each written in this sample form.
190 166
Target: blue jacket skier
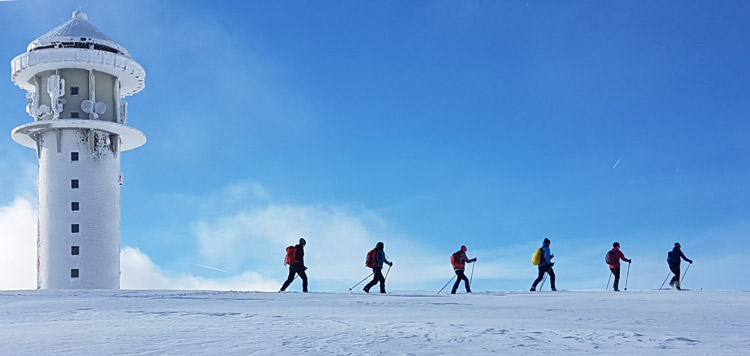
545 266
377 270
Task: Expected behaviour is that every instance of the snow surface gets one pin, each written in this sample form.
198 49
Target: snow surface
130 322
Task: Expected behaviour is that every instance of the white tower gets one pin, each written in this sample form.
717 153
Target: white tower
76 78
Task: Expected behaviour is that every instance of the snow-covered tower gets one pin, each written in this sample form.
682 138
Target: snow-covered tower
76 77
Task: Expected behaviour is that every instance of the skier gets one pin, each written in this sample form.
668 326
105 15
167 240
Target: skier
545 266
673 259
377 270
614 264
297 266
459 260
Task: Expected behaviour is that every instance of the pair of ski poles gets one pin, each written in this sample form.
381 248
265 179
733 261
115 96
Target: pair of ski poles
680 281
450 280
370 275
626 279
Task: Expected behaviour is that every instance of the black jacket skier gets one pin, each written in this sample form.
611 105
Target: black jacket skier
674 258
297 267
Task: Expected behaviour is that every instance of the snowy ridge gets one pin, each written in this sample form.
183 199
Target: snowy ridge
129 322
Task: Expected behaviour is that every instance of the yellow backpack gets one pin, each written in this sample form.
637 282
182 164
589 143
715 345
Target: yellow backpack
536 258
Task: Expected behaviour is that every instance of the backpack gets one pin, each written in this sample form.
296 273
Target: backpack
291 255
370 260
536 258
610 258
455 260
672 258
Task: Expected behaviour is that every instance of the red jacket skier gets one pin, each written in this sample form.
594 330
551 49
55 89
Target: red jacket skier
614 266
459 261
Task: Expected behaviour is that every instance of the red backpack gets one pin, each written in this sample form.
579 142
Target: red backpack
610 258
457 262
371 261
291 255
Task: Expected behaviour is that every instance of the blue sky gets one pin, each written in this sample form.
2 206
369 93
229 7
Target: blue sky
426 125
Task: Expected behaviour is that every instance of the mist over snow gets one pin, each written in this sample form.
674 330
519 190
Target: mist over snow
237 236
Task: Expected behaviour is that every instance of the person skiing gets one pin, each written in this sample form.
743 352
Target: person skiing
297 266
377 269
673 259
545 266
459 261
614 263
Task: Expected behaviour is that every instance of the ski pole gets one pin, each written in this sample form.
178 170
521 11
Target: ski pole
472 273
685 274
608 279
543 280
627 276
386 272
665 280
360 282
449 281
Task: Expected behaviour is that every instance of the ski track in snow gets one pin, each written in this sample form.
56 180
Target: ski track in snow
409 323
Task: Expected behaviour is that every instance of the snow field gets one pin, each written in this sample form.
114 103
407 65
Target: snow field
129 322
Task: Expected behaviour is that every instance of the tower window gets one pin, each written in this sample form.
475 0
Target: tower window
74 184
75 206
74 273
74 156
75 228
73 90
74 250
74 115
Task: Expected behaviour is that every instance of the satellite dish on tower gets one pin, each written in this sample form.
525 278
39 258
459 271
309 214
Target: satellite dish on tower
87 106
100 107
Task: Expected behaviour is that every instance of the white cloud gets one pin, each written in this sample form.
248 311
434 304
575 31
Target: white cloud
337 240
139 272
18 245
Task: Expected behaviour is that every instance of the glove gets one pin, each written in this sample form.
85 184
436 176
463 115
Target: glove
630 260
551 264
391 264
474 259
305 268
691 262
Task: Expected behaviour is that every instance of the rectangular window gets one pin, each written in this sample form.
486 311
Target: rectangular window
74 184
74 250
75 228
74 273
75 206
74 114
74 156
74 91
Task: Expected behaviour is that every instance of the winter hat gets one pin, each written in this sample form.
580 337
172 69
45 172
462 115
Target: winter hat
616 244
546 240
302 241
463 248
379 246
676 244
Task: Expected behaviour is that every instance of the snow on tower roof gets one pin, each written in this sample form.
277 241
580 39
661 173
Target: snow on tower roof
78 33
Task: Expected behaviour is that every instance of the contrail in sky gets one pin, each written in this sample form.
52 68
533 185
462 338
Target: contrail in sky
618 162
209 267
